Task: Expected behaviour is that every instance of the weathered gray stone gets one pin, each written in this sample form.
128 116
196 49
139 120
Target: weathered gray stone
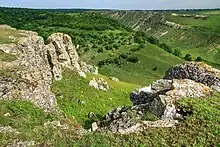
196 71
99 83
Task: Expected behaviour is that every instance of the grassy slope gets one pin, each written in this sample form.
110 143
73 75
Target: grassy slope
92 31
6 33
201 38
76 88
199 129
142 72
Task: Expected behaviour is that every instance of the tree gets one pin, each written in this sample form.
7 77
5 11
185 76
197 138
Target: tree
133 59
152 40
141 46
188 57
100 50
166 48
177 52
198 59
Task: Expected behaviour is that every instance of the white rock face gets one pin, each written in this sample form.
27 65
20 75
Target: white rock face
64 50
37 66
99 83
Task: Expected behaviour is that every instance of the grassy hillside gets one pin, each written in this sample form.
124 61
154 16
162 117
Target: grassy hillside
78 99
152 64
98 38
29 121
199 37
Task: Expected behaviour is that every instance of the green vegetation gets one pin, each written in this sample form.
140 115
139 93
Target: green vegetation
119 51
136 58
199 128
200 37
140 72
77 98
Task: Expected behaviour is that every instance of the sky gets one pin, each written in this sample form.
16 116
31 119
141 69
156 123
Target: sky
113 4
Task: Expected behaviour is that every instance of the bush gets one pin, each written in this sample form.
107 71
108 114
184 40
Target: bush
123 56
133 59
188 57
177 53
152 40
141 46
198 59
139 37
166 47
155 68
115 46
100 50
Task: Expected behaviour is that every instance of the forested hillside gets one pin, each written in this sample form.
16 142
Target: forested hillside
118 50
193 32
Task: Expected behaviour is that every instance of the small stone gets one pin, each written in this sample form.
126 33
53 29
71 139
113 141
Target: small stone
94 126
82 74
99 83
7 114
114 79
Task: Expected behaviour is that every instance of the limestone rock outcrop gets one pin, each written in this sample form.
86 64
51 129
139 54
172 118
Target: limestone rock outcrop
160 99
196 71
62 53
37 66
34 75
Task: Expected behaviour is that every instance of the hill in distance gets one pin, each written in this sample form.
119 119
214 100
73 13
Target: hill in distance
121 47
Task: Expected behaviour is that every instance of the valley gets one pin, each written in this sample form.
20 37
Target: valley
109 77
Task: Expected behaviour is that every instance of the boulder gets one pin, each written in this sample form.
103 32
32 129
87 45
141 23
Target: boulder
99 83
196 71
160 99
114 79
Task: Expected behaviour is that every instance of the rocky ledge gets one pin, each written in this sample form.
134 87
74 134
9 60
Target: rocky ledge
189 80
37 66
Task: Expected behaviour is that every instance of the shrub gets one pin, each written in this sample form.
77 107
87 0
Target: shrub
141 46
188 57
100 50
155 68
133 59
166 47
152 40
198 59
115 46
123 56
177 52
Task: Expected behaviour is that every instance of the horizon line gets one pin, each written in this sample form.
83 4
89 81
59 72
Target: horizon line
83 8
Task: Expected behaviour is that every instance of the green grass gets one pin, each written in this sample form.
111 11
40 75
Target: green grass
23 115
73 87
199 129
141 73
200 38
